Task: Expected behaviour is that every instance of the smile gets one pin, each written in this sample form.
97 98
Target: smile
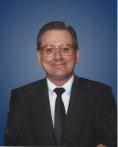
58 64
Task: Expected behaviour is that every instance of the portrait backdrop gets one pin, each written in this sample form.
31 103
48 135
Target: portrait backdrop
20 21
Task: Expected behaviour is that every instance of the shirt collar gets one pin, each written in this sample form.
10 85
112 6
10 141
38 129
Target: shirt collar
67 86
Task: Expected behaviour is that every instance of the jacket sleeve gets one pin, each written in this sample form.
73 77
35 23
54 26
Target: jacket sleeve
17 131
9 130
106 119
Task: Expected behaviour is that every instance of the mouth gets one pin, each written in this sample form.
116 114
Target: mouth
58 65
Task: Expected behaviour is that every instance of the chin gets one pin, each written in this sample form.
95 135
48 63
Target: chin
60 76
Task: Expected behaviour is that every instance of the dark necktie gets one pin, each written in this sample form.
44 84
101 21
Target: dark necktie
59 118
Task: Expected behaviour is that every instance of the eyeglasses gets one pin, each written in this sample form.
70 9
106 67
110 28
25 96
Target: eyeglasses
66 49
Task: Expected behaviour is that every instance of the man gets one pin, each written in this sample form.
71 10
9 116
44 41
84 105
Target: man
61 109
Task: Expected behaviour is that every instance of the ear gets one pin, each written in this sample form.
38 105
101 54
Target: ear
78 56
38 57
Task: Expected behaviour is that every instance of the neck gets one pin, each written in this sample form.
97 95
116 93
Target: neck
59 81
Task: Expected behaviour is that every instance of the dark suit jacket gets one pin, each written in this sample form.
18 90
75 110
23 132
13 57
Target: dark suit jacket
91 117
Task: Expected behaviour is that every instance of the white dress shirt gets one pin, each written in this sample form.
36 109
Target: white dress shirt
65 96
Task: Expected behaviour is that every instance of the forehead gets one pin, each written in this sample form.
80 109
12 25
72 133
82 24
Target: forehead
56 37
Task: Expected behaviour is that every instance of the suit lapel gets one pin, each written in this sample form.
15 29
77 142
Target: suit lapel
42 120
77 111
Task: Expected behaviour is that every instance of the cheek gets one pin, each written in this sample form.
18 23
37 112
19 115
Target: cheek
71 60
46 64
44 60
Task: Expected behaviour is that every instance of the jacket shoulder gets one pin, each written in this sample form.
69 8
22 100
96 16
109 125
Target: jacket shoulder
27 93
30 86
96 91
91 85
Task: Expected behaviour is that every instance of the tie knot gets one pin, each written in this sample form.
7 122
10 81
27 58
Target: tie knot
59 91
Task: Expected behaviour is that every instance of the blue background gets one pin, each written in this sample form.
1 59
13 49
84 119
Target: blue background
20 21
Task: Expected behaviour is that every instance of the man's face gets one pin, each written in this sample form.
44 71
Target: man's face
57 55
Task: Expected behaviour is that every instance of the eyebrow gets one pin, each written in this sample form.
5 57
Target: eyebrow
68 44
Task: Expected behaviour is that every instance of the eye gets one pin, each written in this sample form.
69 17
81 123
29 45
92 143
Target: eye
65 49
48 50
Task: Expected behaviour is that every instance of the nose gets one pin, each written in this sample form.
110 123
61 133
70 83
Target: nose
58 55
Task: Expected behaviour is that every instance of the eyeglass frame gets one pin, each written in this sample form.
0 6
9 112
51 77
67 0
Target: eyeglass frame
54 47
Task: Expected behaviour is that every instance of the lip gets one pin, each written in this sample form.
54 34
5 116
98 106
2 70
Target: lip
58 64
